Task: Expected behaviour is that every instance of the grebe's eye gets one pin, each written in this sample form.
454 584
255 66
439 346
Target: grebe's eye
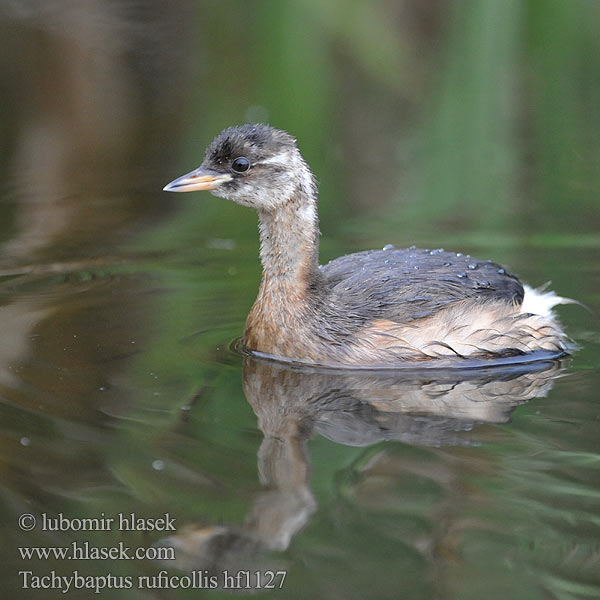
241 164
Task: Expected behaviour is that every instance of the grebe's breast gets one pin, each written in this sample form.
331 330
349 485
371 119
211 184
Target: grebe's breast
412 283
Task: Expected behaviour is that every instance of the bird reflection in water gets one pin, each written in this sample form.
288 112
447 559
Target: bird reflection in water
292 404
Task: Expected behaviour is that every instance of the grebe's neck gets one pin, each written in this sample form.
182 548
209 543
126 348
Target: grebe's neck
289 238
289 252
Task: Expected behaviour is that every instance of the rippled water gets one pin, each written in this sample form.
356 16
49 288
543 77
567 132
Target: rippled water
118 397
120 393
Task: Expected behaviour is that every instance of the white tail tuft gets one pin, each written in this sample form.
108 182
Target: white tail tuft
539 302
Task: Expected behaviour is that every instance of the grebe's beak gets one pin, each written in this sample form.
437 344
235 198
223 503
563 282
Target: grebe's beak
200 179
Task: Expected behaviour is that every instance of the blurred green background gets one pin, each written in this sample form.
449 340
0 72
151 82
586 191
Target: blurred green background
438 115
417 117
467 124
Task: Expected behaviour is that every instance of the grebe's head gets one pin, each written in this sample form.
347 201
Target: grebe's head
254 165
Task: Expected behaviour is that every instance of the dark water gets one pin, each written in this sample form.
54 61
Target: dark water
115 400
119 392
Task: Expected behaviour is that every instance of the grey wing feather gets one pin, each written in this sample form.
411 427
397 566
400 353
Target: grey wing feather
407 284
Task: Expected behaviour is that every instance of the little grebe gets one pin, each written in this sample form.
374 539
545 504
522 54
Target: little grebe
378 308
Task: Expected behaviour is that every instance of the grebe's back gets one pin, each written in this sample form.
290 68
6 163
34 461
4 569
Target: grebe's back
411 283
